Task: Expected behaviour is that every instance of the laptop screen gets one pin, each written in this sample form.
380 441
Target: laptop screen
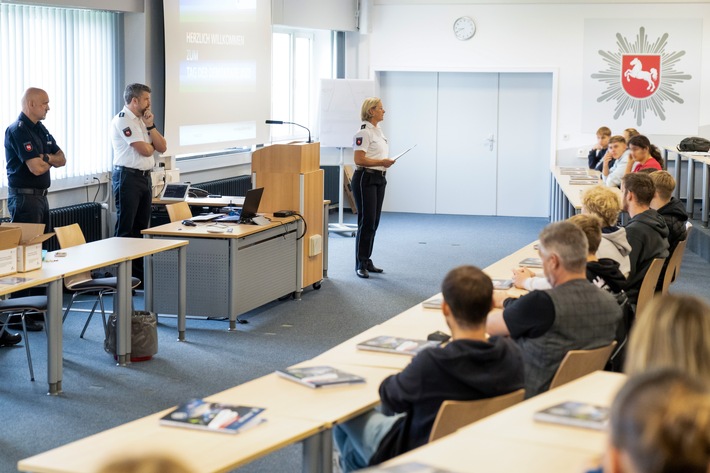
251 203
175 192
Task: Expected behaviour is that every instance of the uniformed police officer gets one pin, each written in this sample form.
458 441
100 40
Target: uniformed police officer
30 151
368 182
135 139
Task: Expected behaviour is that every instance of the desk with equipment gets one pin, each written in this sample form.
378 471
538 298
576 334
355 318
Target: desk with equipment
567 185
231 268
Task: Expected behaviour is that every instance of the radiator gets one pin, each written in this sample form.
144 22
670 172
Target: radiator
236 186
87 215
331 182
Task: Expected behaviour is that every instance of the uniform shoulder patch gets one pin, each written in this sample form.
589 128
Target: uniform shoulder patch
358 141
363 126
121 114
28 146
127 131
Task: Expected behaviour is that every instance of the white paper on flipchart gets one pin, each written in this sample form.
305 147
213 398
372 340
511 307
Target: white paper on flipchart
340 103
404 152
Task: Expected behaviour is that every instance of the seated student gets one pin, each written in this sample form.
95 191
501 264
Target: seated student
614 162
599 149
644 155
472 366
603 273
672 210
646 231
605 203
672 332
660 423
630 133
573 315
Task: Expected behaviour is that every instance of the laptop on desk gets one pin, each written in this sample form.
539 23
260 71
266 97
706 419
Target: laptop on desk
248 210
175 192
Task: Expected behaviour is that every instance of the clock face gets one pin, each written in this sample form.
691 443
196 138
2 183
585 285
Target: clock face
464 28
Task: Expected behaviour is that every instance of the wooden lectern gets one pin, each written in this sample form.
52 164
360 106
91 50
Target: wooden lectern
293 180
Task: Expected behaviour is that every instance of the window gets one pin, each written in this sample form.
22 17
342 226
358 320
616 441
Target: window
72 55
299 59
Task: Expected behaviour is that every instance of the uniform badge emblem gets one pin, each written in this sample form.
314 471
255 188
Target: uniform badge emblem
122 114
127 131
363 126
28 147
358 140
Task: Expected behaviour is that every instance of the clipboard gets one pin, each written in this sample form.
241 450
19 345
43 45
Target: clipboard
403 153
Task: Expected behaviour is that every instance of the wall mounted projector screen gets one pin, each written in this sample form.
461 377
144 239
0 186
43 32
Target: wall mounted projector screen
217 74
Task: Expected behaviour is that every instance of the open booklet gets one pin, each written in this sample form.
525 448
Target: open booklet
213 416
577 414
400 346
404 152
320 376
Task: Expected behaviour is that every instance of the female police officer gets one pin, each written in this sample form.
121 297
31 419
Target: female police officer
368 182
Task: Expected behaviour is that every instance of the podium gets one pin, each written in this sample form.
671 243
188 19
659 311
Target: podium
293 180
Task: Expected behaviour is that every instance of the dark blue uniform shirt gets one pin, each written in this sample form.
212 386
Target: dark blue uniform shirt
26 140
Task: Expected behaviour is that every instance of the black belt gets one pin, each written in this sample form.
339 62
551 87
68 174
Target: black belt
133 170
370 170
28 191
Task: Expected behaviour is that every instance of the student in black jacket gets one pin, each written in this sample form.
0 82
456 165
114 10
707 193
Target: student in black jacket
472 366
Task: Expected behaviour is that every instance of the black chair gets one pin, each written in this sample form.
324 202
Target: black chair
20 307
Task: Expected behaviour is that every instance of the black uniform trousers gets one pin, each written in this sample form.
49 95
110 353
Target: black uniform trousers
368 189
132 192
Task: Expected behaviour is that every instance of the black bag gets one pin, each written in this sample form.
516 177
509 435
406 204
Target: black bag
144 336
394 443
694 143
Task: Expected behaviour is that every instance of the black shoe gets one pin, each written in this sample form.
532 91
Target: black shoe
31 325
374 269
9 339
362 273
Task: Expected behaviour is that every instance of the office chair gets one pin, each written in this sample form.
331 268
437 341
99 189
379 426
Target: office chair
179 211
83 283
20 307
578 363
453 415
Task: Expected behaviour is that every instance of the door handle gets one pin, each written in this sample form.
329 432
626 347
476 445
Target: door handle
490 141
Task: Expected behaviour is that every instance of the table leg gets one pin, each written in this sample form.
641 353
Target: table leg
327 451
706 184
148 282
122 309
691 187
182 291
232 296
313 454
54 337
678 162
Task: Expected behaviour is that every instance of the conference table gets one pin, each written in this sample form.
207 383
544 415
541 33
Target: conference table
239 269
293 413
511 440
78 259
565 194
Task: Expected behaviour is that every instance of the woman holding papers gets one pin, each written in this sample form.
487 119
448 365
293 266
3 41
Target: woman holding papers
371 153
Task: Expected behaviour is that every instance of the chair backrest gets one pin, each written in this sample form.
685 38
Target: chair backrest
178 211
674 265
578 363
453 415
68 236
648 286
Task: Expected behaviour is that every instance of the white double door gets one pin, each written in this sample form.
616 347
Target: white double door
483 142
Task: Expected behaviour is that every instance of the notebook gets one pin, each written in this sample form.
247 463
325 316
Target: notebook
248 210
175 192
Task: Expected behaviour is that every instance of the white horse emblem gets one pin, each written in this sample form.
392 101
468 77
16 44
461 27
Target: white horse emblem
637 72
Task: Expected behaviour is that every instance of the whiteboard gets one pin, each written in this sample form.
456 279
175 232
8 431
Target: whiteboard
340 102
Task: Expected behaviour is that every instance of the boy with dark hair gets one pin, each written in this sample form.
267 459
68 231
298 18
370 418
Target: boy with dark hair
646 231
472 366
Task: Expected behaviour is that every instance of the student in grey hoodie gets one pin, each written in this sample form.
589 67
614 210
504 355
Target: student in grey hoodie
647 231
605 203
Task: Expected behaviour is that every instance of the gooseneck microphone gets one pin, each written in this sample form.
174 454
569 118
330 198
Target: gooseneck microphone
281 122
